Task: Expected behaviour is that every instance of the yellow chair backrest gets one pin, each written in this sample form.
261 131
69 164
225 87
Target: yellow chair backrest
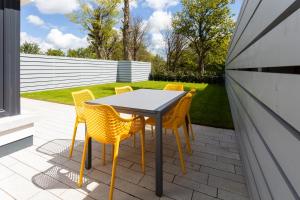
124 89
104 123
174 86
182 108
79 98
193 91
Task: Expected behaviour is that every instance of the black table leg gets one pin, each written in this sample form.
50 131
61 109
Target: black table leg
159 156
187 124
88 161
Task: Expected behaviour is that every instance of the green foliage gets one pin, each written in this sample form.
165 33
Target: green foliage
187 76
187 61
30 48
98 18
81 53
55 52
208 25
158 64
118 51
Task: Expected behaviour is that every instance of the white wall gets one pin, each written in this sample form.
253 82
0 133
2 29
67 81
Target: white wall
39 72
265 100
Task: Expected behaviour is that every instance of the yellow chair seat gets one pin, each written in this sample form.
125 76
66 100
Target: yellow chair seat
136 126
166 121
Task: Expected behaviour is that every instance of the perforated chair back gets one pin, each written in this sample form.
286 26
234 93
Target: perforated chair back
104 123
124 89
173 86
182 108
79 98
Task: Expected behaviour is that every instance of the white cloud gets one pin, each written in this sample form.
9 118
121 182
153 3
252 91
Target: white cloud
25 37
159 21
56 40
160 4
133 4
35 20
56 6
61 40
157 41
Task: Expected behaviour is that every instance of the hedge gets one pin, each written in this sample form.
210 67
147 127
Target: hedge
192 77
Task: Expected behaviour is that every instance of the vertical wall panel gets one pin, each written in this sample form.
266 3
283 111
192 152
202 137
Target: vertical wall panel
265 106
133 71
1 57
10 57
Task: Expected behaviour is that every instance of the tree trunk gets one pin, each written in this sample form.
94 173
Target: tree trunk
201 65
135 53
126 27
98 54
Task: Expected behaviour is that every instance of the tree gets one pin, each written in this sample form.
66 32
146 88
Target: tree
158 64
98 19
126 31
206 24
81 53
137 36
55 52
30 48
175 44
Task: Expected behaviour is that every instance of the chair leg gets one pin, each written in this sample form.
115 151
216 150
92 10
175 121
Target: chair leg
152 131
112 152
182 162
134 145
187 139
191 127
73 138
103 154
143 150
86 142
112 182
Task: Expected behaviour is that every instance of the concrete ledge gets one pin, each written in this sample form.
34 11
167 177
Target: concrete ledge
16 133
16 146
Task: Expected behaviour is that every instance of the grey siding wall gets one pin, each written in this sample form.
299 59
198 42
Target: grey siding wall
133 71
39 72
263 85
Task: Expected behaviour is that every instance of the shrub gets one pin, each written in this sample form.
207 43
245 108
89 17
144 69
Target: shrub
188 76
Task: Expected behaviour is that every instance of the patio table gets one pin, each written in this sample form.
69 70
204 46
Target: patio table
148 103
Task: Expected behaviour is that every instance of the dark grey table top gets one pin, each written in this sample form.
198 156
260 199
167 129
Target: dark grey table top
142 101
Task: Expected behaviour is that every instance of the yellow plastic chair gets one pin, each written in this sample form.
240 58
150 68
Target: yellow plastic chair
175 119
124 89
193 93
174 86
79 98
105 125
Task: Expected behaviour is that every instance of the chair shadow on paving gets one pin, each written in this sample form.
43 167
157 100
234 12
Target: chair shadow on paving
58 158
64 173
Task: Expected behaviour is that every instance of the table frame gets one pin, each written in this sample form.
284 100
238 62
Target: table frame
157 114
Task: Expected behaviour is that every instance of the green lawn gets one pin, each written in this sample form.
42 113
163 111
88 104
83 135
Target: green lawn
209 107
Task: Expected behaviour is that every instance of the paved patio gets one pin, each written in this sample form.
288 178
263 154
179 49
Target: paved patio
43 171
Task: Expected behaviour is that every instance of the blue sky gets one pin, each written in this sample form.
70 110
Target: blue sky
45 22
